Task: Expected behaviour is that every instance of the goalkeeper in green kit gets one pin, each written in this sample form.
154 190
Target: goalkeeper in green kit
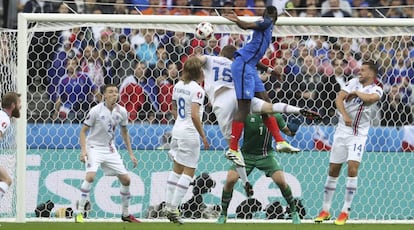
258 153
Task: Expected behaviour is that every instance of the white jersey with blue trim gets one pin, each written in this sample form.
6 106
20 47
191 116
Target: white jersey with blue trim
217 75
358 111
103 122
184 95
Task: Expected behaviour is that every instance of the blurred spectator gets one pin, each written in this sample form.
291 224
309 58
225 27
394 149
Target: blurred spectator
177 46
240 8
139 92
228 7
76 94
204 8
123 63
156 7
398 70
120 7
311 11
91 64
363 11
333 9
394 9
166 85
394 112
105 6
259 7
212 47
381 8
147 51
160 68
406 90
138 4
106 46
280 5
336 7
328 87
180 7
290 9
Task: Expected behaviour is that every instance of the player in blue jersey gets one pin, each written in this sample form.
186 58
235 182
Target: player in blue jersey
248 84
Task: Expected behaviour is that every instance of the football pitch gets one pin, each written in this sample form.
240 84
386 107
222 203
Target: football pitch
197 226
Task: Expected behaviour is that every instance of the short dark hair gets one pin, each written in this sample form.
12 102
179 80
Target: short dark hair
109 85
228 51
8 99
372 66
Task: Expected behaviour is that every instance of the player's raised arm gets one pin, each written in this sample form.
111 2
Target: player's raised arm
240 23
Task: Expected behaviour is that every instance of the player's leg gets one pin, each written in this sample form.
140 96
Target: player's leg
243 77
337 157
356 147
271 167
5 182
185 161
227 194
125 181
260 106
224 107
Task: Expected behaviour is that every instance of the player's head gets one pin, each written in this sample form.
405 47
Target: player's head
270 12
111 94
228 51
11 102
368 72
192 70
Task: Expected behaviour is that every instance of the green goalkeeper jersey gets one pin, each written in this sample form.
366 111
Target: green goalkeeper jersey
257 140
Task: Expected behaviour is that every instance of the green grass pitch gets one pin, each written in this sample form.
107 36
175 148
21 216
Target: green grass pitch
197 226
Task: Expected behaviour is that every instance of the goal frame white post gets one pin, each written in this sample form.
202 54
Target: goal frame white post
26 19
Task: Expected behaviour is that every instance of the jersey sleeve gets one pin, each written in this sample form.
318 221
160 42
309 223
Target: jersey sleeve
378 90
4 124
124 117
349 85
198 95
90 118
264 23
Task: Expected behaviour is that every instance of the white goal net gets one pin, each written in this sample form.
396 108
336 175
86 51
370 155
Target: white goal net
316 56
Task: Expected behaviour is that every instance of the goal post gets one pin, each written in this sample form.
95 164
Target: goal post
53 145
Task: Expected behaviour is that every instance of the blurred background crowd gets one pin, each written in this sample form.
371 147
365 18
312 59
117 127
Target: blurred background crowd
67 68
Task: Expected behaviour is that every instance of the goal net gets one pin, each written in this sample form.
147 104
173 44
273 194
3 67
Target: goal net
316 56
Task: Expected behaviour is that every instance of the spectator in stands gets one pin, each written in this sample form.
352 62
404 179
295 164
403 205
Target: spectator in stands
166 85
180 7
406 89
381 8
394 111
212 47
177 46
311 11
120 7
334 9
338 8
76 94
259 7
398 70
91 64
160 67
394 9
58 68
155 7
240 7
328 87
204 8
139 92
106 46
363 11
147 51
123 64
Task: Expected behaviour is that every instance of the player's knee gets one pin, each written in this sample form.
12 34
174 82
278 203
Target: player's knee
125 180
8 181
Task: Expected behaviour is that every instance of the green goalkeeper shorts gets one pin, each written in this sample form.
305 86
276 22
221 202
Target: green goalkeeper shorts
267 164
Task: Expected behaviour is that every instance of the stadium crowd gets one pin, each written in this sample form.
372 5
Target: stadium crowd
145 64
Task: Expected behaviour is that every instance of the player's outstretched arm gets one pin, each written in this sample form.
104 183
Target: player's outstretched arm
82 142
240 23
127 141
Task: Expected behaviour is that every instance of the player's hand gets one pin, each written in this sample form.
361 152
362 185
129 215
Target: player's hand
347 121
206 144
134 160
83 157
351 96
232 17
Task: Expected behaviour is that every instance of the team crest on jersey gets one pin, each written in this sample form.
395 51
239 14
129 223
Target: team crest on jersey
4 124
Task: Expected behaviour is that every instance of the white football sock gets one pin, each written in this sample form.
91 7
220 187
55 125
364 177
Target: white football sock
182 187
3 188
242 174
85 190
285 108
351 186
171 186
329 191
125 197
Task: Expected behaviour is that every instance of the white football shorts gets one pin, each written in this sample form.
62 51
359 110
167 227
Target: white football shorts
110 161
346 148
185 151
